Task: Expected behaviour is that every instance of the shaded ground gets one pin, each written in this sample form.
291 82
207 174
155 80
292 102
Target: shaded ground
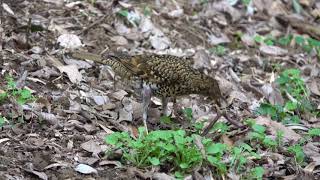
77 106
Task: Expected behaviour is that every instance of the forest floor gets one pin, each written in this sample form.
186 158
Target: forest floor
62 118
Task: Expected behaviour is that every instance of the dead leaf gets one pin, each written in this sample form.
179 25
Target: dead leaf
91 146
159 42
274 126
215 40
314 87
273 50
85 169
7 8
73 73
162 176
69 41
119 40
119 95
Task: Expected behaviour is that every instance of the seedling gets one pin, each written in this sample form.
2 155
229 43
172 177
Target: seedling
298 153
294 91
258 135
314 132
10 91
256 173
158 148
20 95
218 50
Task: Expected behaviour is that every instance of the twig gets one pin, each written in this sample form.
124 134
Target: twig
99 21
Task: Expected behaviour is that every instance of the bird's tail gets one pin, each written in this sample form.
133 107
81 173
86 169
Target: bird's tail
86 56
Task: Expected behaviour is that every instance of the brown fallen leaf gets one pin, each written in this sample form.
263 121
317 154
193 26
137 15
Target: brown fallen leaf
274 126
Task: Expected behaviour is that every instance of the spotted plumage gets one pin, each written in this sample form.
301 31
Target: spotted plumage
164 75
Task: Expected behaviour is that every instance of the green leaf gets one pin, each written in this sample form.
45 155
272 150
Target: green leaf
112 138
217 163
220 126
184 165
269 41
178 174
10 83
25 93
123 12
285 41
246 147
257 136
313 42
188 113
299 40
246 2
154 161
147 11
216 148
266 109
297 7
165 120
3 96
259 128
258 39
298 153
314 132
269 142
199 125
169 147
257 172
291 106
2 121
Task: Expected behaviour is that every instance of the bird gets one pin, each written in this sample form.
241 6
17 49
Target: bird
163 76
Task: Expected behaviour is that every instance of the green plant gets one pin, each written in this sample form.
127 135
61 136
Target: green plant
246 2
291 82
298 153
218 50
2 121
258 135
294 91
147 11
188 114
307 44
220 127
279 137
22 96
240 155
158 148
214 153
11 92
314 132
256 173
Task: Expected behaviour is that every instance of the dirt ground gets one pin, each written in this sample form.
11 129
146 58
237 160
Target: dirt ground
77 103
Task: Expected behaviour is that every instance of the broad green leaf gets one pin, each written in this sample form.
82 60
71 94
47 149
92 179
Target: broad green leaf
291 106
258 172
216 148
259 128
154 161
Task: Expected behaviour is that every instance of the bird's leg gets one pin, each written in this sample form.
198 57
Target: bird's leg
175 107
114 83
207 129
165 106
146 99
219 114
